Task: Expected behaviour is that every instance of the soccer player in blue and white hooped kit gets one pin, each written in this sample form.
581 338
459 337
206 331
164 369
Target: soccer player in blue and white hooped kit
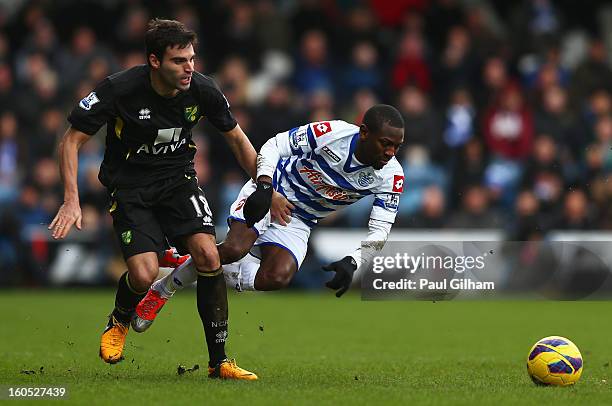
320 168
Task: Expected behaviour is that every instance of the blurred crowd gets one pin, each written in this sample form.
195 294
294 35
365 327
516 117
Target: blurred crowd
508 105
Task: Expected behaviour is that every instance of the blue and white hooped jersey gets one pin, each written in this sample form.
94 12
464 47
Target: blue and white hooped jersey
319 174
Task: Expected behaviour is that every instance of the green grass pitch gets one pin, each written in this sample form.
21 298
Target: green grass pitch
306 349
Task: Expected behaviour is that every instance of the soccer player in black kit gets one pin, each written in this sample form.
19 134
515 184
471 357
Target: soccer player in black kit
148 171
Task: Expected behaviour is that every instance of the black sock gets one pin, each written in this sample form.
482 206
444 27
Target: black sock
212 306
126 300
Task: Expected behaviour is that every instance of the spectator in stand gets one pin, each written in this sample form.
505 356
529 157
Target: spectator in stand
410 67
44 141
360 27
457 65
362 101
475 211
420 173
93 194
553 117
527 224
363 72
313 67
272 28
508 125
508 132
598 155
494 80
468 169
593 73
85 48
42 40
276 114
130 32
321 106
548 188
7 96
600 191
598 104
546 71
460 117
432 214
441 15
576 215
234 78
422 123
308 15
11 159
544 158
241 35
45 178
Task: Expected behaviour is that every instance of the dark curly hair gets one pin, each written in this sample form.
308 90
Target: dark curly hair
167 33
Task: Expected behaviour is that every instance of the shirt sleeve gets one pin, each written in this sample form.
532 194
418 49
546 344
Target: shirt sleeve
385 207
283 145
382 218
95 109
378 232
217 109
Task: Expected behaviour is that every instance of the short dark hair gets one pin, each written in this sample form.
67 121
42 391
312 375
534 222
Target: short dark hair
381 114
167 33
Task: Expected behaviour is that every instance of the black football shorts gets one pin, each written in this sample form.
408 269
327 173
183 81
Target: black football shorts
149 218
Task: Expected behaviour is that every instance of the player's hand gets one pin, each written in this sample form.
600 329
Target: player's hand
258 203
345 268
280 209
69 214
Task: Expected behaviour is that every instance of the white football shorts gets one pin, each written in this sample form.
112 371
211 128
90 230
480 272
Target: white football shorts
293 237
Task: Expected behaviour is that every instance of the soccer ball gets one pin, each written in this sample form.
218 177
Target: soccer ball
554 360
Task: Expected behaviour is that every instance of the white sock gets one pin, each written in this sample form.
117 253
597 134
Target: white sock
248 271
181 276
240 275
231 273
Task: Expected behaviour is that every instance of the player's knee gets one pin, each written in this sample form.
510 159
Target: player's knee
142 276
232 251
206 259
277 277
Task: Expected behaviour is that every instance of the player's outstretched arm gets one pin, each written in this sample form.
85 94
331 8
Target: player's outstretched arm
69 213
243 150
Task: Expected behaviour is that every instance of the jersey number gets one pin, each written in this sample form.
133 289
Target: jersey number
197 208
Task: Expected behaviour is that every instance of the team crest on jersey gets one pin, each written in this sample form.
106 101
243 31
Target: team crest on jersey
321 128
126 237
89 101
191 113
398 183
366 178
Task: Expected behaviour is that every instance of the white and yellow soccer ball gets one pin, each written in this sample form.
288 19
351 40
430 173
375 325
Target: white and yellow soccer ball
554 360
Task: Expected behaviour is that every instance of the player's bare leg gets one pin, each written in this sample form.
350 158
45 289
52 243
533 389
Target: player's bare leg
276 269
237 243
239 240
213 307
274 272
133 284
